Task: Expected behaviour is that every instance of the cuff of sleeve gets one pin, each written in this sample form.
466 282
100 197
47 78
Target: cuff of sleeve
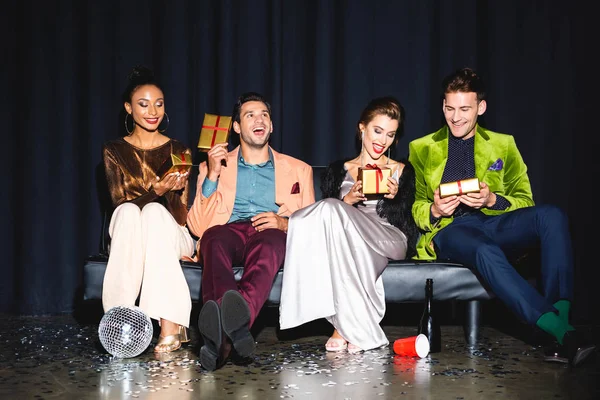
501 203
433 220
152 193
208 187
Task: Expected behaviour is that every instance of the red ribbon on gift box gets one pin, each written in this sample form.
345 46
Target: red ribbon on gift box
378 174
215 129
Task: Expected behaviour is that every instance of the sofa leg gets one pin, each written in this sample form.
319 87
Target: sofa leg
472 322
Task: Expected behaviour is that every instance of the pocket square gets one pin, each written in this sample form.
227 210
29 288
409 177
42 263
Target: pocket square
497 165
296 188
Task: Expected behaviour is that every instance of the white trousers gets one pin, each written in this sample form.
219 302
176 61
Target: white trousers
146 246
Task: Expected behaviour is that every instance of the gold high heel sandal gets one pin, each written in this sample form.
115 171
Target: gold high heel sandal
171 343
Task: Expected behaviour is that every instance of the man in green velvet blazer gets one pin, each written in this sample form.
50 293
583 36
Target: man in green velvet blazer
484 228
431 152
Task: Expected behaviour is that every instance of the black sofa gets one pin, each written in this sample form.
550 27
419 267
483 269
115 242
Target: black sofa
404 280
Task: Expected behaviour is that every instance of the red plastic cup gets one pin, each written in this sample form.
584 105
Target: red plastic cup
413 346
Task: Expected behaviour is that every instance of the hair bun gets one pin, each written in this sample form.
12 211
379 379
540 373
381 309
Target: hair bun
139 76
140 73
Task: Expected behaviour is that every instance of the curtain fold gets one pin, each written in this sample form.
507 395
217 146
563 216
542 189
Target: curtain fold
65 64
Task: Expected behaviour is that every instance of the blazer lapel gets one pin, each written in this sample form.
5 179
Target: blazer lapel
438 155
483 153
228 179
283 175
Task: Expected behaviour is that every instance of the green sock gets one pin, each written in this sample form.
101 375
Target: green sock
554 325
564 307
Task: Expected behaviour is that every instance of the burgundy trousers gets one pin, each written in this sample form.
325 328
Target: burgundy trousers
238 243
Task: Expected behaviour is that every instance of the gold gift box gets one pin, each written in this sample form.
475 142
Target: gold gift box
374 180
459 187
215 129
181 163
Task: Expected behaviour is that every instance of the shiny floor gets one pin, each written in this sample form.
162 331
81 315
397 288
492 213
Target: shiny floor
60 357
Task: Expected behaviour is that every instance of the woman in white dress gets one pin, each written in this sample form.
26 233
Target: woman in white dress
338 247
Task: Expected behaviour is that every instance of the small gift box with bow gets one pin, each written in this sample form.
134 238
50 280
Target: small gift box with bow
215 129
181 163
459 187
374 179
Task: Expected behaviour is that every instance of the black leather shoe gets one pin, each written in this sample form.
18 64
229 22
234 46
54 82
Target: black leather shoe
235 317
577 348
213 354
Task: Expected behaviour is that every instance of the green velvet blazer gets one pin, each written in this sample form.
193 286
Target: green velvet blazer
498 163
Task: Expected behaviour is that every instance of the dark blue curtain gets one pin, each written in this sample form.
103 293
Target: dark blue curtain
319 62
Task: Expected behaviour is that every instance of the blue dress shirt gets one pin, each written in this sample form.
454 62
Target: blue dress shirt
255 189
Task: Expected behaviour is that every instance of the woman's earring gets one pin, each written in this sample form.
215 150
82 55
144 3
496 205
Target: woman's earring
168 122
362 135
132 123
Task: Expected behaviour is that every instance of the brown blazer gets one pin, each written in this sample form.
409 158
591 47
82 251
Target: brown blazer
291 175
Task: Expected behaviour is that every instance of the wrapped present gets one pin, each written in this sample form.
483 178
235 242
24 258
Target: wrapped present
374 179
215 129
181 163
459 187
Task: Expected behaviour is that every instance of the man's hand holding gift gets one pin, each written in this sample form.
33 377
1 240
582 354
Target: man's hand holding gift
216 159
443 206
470 192
477 200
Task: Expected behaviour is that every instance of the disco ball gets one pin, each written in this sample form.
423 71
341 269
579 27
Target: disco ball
125 331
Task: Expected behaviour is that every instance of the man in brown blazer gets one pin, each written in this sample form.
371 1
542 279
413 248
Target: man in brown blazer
240 215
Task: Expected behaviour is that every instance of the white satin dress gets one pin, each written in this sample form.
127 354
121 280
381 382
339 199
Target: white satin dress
335 255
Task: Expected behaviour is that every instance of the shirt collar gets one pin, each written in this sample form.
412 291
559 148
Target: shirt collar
269 161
